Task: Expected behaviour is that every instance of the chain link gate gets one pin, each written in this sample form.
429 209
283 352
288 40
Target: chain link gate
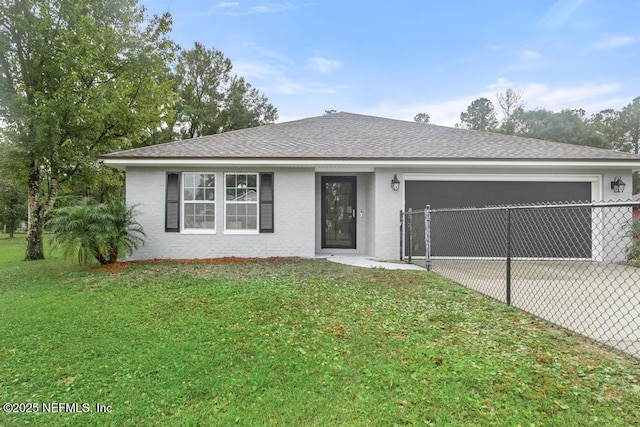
415 236
575 265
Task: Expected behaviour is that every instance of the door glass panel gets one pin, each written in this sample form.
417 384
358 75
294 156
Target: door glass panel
338 215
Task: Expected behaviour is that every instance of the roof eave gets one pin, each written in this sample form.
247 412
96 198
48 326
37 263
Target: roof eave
123 162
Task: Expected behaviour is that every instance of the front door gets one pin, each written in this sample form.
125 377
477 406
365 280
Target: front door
338 212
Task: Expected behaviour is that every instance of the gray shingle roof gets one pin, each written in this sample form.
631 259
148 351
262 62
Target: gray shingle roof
346 136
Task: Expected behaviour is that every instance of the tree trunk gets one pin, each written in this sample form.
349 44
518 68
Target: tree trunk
35 233
35 227
38 214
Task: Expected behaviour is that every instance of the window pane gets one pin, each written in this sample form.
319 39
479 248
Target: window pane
231 180
199 215
242 216
210 181
241 195
189 217
199 194
198 188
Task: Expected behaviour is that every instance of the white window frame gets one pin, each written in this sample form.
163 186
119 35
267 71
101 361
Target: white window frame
183 228
256 203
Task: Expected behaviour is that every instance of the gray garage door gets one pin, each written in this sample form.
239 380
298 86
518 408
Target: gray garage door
567 233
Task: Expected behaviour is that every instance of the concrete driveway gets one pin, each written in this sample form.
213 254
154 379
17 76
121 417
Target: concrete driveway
598 300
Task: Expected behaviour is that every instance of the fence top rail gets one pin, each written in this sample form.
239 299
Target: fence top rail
542 206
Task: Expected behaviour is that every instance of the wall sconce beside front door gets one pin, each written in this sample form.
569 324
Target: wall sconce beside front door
617 185
395 182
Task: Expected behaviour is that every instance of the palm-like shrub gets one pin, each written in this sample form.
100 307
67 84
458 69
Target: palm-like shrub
633 253
102 231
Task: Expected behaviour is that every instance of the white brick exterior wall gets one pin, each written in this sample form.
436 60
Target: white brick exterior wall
294 207
297 212
388 204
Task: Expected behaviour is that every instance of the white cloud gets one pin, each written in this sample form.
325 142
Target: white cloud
226 4
262 9
276 79
526 59
591 97
530 55
560 12
501 84
612 42
556 98
232 8
444 113
322 65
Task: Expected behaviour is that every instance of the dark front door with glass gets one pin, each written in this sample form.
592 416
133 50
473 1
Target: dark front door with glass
338 212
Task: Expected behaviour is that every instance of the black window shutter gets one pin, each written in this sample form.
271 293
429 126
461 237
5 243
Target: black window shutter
172 205
266 202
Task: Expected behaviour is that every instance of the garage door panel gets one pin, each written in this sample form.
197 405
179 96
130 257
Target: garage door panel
560 233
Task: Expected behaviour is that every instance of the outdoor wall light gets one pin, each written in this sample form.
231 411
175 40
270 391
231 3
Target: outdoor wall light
395 182
617 185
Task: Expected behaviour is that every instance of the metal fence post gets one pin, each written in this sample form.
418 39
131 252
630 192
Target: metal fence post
427 237
508 256
410 236
401 234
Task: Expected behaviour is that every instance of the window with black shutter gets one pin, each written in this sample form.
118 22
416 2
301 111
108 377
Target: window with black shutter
172 203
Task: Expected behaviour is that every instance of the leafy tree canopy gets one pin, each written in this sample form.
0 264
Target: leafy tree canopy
568 126
480 115
421 118
213 100
78 78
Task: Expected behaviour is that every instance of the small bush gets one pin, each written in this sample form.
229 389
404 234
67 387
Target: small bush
102 231
633 253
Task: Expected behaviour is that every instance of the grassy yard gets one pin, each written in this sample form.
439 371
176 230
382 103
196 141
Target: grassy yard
293 342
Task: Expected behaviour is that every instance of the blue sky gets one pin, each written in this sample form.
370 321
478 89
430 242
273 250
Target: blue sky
399 58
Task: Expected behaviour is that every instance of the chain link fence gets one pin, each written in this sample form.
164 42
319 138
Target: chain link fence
575 265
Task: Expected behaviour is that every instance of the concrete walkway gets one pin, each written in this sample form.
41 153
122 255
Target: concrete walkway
363 261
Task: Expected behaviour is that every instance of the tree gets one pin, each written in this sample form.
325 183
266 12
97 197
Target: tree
78 79
630 127
245 107
480 115
509 101
102 231
211 99
13 193
421 118
622 130
13 205
568 126
607 124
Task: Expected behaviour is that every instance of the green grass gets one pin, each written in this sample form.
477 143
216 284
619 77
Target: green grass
289 343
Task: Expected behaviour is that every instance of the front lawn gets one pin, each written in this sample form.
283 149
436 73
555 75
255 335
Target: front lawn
293 342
